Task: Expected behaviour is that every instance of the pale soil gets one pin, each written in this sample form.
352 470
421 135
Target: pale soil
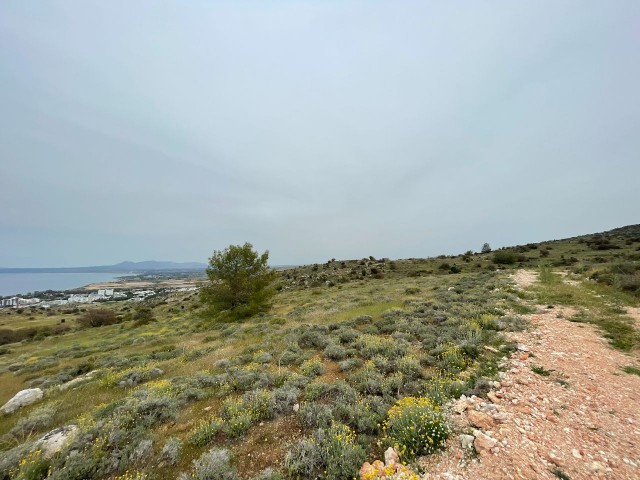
582 420
524 278
567 280
634 312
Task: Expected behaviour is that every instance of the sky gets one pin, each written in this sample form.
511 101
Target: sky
166 130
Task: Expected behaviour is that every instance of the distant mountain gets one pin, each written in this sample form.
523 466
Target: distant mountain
123 267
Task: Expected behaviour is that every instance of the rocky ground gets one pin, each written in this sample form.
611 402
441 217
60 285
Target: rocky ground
563 408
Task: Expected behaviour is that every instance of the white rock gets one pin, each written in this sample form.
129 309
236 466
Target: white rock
56 439
596 467
391 456
466 441
296 407
21 399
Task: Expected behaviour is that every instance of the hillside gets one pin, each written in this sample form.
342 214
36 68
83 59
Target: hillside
353 357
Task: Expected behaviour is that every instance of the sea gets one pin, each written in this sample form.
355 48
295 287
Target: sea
22 283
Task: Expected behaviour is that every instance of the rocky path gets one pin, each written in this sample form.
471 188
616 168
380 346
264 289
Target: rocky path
563 408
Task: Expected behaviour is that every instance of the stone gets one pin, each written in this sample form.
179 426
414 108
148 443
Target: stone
492 396
296 407
56 439
596 467
78 381
460 406
522 348
466 441
480 420
484 443
21 399
501 417
576 453
391 456
552 457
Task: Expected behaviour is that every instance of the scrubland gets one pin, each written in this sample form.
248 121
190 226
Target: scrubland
353 357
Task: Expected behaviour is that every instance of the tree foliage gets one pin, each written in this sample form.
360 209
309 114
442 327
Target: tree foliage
486 248
239 281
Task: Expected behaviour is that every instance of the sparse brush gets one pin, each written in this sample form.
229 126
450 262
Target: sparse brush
312 368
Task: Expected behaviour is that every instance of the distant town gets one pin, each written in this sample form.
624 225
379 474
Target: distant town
102 295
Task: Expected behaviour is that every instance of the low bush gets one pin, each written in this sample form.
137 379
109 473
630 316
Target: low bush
268 474
285 398
205 431
371 345
171 450
334 351
34 466
98 318
37 420
504 257
330 453
312 368
315 415
143 314
349 364
214 465
415 426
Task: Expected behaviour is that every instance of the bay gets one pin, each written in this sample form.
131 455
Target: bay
22 283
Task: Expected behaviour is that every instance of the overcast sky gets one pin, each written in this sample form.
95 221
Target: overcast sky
166 130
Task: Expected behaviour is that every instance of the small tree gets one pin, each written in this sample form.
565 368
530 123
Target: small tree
486 248
143 314
239 281
98 318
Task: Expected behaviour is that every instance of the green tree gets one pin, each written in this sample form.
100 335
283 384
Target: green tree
239 281
486 248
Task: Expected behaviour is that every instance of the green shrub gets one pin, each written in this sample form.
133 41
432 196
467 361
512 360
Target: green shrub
290 357
214 465
98 318
504 257
312 368
409 366
32 467
313 337
239 424
285 398
315 390
415 426
335 352
171 450
315 415
143 314
268 474
37 420
304 459
347 334
343 455
259 404
205 431
371 345
330 453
